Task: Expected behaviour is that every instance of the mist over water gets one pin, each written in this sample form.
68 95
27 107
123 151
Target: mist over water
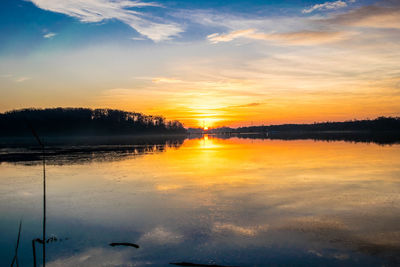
233 201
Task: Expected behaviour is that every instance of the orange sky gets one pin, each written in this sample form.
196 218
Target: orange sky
306 64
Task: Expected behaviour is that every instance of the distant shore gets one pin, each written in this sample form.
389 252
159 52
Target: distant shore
93 127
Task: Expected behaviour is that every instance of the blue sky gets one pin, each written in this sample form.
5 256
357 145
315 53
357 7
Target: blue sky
24 24
226 62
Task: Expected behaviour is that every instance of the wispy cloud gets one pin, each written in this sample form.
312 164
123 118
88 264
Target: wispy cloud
231 21
15 78
137 38
216 37
100 10
296 30
327 6
22 79
370 16
49 35
166 80
248 105
291 38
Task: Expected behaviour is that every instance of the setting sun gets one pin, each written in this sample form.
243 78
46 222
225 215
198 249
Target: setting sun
208 123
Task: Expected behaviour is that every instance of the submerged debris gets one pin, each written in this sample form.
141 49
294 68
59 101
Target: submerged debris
50 240
124 244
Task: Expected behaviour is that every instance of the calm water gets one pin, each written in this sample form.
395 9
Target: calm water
230 202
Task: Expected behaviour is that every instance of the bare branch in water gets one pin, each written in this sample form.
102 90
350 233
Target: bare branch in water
15 259
44 188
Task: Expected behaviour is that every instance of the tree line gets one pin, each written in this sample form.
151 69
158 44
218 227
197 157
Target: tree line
84 121
380 124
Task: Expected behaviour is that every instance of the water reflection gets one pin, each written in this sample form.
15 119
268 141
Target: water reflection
78 151
243 202
382 138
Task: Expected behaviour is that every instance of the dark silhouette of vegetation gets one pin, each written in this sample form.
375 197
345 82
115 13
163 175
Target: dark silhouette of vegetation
382 130
84 122
379 124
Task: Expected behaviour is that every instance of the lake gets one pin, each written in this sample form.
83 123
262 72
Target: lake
206 200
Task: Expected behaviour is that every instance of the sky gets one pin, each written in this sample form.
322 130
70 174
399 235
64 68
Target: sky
205 63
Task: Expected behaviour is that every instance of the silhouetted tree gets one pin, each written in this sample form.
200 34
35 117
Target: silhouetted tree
84 121
379 124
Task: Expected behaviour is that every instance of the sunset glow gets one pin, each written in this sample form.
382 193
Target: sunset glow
231 66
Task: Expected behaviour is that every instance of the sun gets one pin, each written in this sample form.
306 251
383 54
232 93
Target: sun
207 123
